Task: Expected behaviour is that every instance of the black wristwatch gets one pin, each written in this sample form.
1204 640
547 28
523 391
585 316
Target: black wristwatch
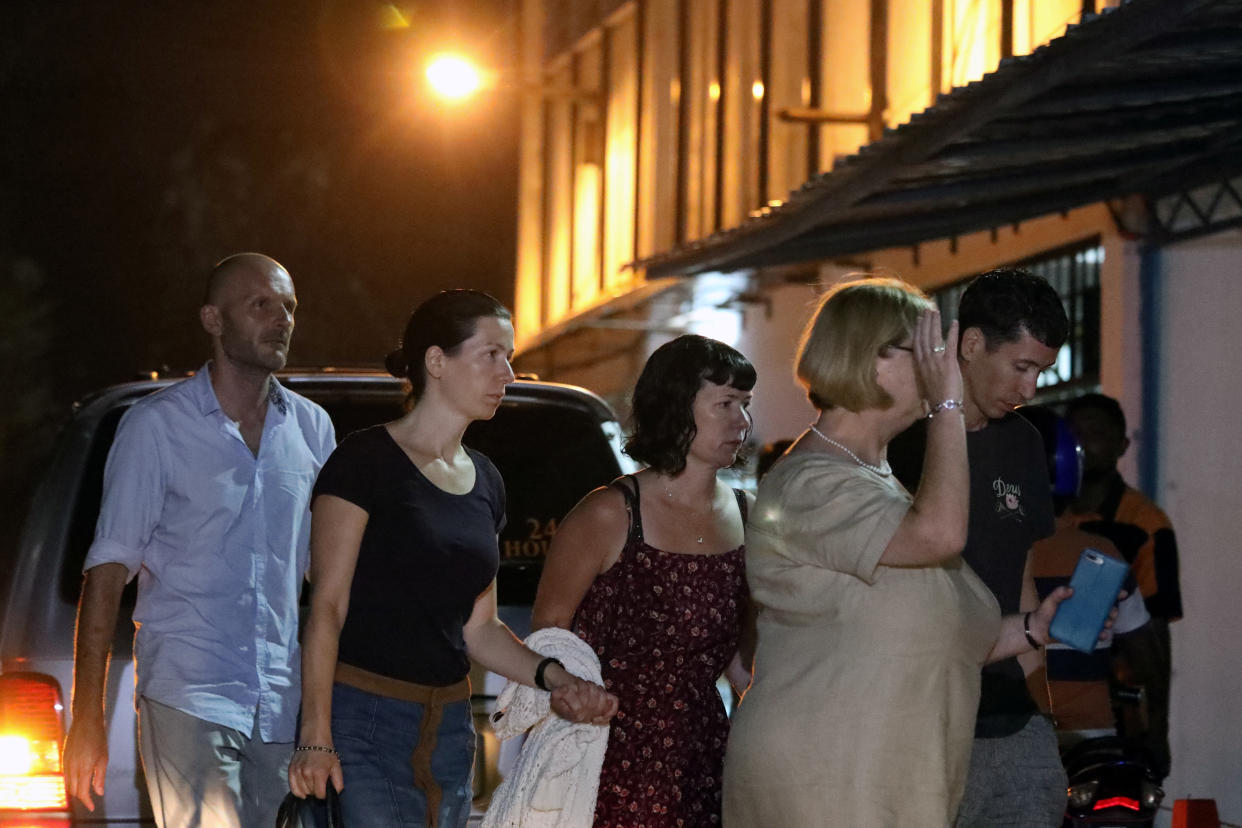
543 666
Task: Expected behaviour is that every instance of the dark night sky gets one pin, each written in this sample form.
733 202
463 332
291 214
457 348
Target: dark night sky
146 140
140 142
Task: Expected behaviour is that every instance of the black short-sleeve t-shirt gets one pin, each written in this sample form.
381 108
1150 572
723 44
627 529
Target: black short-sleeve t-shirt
1010 509
426 555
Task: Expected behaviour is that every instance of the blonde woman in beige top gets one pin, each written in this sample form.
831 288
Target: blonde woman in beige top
872 629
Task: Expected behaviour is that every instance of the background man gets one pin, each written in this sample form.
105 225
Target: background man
1106 505
205 502
1012 324
1075 687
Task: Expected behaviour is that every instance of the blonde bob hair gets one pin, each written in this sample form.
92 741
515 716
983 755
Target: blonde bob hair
855 322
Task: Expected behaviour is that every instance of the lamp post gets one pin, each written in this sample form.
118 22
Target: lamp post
521 82
454 77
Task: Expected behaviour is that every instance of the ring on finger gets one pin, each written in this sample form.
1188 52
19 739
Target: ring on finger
939 349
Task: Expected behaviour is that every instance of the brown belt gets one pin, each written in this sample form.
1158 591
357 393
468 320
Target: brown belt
431 698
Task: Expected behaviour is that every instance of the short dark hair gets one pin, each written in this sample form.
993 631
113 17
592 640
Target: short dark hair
663 406
1102 403
1004 302
446 320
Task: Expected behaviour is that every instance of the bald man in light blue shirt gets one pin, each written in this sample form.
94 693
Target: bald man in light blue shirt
205 502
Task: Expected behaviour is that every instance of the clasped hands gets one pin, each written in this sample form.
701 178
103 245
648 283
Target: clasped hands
578 700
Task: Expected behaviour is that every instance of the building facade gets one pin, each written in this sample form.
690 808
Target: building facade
649 125
711 165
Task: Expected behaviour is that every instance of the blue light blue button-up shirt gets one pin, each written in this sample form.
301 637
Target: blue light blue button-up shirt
217 538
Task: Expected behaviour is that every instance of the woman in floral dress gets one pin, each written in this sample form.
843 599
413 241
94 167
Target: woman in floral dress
650 572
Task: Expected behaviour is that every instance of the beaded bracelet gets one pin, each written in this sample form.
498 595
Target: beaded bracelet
318 749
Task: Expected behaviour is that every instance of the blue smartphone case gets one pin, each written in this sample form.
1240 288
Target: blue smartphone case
1096 581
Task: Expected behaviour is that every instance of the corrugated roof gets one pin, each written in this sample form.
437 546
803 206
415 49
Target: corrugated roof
1142 99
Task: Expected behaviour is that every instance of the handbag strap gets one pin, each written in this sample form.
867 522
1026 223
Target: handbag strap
293 810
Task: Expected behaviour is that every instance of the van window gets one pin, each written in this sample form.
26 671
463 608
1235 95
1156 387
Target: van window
86 512
550 455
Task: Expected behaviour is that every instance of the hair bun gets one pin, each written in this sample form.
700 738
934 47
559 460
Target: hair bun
396 364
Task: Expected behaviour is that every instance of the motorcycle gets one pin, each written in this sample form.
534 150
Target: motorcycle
1111 784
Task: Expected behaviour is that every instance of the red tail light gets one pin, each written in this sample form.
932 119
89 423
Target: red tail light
1117 802
31 734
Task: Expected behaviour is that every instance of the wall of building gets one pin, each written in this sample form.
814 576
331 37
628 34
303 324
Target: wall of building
769 338
662 122
1199 426
945 261
645 136
1197 436
1200 439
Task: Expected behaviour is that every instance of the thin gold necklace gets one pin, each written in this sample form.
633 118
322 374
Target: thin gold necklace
669 492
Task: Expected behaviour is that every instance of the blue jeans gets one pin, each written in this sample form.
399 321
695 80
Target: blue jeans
376 736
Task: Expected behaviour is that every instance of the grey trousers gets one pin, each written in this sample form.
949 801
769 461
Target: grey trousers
204 775
1015 781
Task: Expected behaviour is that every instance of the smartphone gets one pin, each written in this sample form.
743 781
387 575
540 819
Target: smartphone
1096 581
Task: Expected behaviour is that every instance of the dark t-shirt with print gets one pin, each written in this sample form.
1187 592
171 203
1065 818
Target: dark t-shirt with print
1010 509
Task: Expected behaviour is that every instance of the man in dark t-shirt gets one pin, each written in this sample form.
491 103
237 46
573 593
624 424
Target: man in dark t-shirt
1012 325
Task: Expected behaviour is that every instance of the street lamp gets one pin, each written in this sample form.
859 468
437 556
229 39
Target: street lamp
453 77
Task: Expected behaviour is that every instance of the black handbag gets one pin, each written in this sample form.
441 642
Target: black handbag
311 812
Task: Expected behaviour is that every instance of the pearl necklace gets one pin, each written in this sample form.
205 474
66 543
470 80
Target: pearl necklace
884 469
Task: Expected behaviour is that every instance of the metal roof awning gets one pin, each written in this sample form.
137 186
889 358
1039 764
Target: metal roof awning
610 313
1143 99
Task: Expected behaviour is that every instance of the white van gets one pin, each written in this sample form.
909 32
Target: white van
552 443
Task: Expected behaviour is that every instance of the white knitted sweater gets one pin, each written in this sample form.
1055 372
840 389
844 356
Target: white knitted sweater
556 777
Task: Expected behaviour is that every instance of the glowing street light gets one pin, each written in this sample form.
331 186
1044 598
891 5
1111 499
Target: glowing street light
453 77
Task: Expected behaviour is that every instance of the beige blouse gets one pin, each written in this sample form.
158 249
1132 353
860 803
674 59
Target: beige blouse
866 676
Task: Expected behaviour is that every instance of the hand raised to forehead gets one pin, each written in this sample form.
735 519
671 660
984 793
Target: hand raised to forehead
935 359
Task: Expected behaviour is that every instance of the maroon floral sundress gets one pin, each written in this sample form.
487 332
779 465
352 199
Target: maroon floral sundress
665 626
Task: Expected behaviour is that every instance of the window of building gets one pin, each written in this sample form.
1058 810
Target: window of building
742 105
702 90
1075 274
620 167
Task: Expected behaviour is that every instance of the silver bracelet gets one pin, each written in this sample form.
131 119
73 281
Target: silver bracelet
944 405
318 749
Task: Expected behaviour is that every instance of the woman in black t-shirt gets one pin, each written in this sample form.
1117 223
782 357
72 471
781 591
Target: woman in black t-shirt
403 558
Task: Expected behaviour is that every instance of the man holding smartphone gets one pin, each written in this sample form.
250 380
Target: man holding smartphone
1012 325
1074 688
1107 505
